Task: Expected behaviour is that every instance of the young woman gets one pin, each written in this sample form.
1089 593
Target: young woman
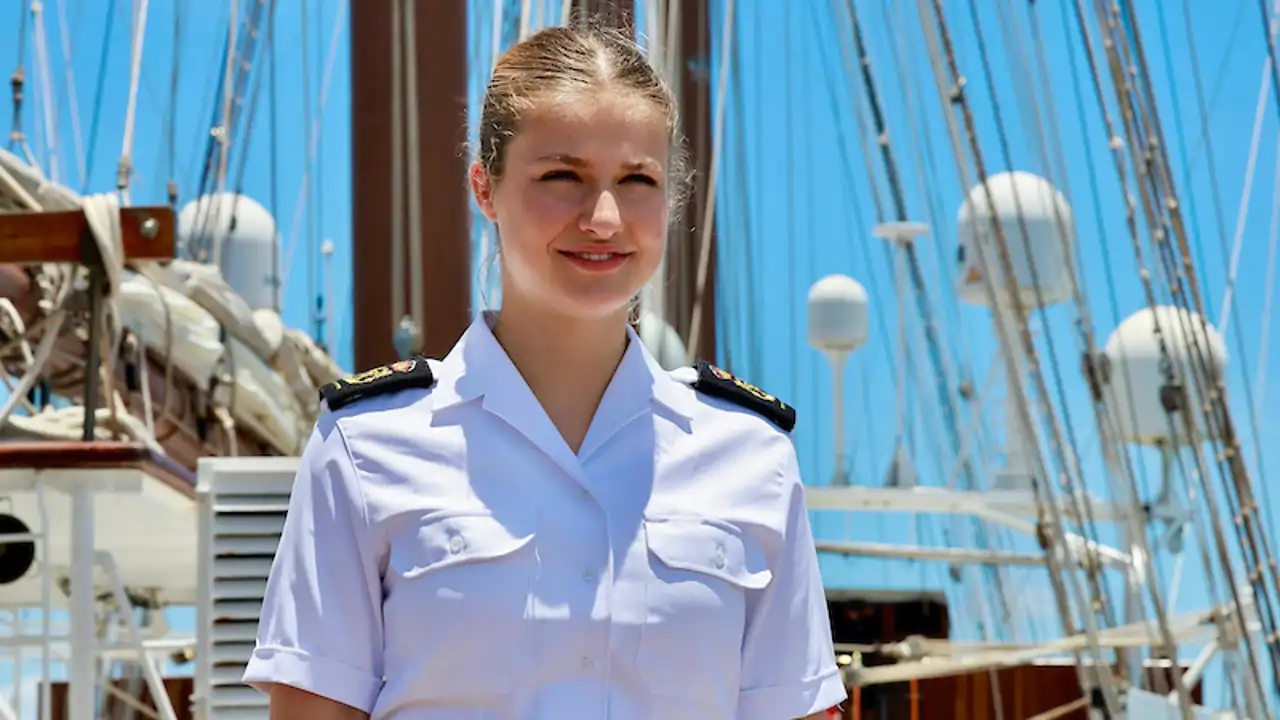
545 524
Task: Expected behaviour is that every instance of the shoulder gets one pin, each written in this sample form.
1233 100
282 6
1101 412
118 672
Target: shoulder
728 393
368 415
384 381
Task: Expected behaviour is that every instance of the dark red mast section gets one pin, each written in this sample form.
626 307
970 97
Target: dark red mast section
441 35
696 115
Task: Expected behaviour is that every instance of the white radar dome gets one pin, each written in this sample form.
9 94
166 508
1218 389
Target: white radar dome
1135 377
663 341
1046 216
247 233
837 314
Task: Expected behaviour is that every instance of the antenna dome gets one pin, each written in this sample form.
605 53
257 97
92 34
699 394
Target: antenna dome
1136 377
248 236
837 314
1018 199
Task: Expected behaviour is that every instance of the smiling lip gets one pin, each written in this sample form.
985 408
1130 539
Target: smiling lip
596 261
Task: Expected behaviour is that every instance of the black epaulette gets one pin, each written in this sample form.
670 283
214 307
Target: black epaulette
720 383
412 373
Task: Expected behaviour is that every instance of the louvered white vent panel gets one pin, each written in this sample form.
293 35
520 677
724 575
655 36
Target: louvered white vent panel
242 505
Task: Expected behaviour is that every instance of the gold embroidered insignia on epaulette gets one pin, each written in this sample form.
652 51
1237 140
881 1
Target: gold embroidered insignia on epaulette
720 383
413 373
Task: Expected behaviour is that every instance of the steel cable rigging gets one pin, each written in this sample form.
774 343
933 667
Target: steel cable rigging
936 357
1155 191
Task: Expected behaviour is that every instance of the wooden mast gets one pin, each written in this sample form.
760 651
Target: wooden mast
695 111
445 239
442 91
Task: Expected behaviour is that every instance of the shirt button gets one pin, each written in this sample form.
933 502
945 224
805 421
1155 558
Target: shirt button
456 543
588 664
589 575
719 558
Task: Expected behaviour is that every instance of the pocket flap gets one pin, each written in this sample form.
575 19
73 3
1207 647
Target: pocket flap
444 541
709 546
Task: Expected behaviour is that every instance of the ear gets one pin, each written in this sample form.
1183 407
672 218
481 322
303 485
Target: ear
482 190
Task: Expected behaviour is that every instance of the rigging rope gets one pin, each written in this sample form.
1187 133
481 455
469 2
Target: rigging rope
1117 156
1260 382
1269 28
709 197
937 359
229 93
171 131
920 144
242 129
48 107
1078 496
69 69
397 163
1142 130
16 81
197 249
94 123
1236 484
339 20
1055 528
308 190
275 162
417 302
1229 311
789 213
1073 486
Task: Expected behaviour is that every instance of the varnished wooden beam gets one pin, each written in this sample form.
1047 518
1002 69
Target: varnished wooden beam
684 253
441 39
58 237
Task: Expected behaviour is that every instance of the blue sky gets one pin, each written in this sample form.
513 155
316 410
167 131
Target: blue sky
203 34
795 197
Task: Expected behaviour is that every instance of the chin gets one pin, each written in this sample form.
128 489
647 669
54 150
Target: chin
592 306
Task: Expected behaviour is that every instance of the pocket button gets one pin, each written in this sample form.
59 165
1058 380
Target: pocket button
456 544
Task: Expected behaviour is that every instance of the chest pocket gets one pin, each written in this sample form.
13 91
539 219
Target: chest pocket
701 571
456 604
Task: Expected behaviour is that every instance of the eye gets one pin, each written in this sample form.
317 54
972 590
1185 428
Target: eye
640 178
560 175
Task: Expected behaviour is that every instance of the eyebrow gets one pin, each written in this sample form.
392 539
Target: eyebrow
577 162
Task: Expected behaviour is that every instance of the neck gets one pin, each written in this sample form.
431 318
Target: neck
566 361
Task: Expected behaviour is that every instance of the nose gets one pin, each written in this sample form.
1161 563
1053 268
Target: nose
602 218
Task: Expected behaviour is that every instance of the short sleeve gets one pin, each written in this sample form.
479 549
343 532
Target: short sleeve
788 663
321 623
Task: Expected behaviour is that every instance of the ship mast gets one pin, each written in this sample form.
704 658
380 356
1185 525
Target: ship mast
432 290
411 259
685 251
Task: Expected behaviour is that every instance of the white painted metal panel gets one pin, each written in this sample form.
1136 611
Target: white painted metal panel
241 504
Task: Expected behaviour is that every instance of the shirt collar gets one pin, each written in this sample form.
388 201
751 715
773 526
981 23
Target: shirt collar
477 365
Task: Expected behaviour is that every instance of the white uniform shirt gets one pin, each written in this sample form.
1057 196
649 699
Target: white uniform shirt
446 556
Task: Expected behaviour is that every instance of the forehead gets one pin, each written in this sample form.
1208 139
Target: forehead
595 127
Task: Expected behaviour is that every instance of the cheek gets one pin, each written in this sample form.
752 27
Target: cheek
646 217
531 220
545 212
